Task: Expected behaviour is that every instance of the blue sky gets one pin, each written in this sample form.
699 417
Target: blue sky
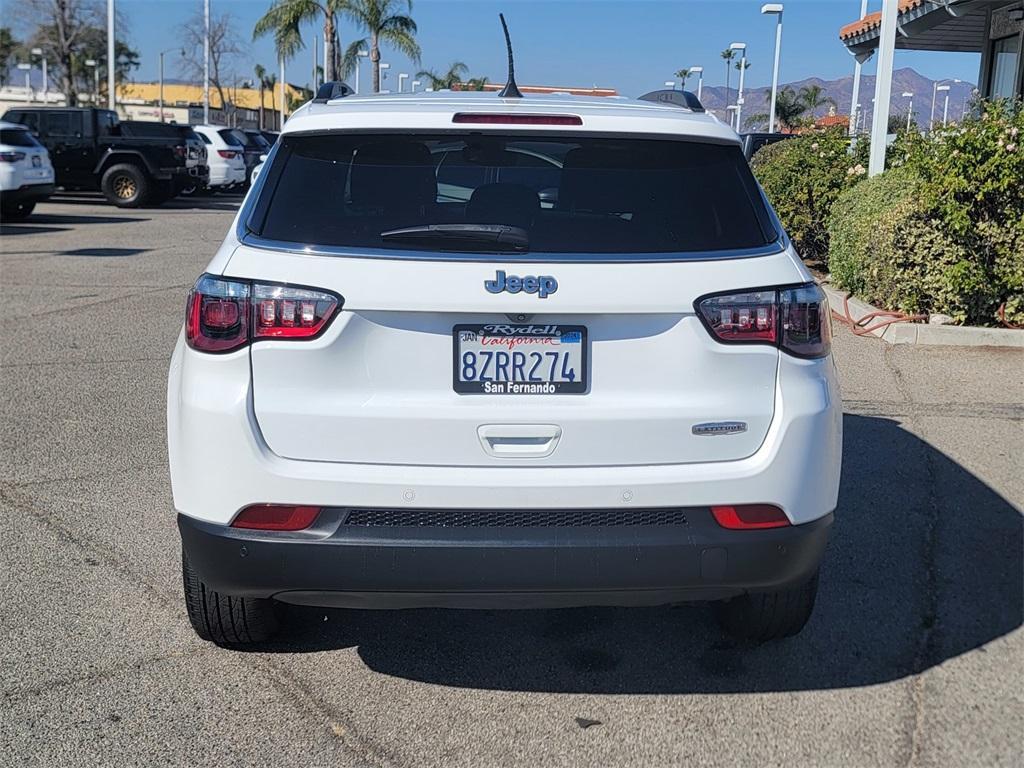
631 45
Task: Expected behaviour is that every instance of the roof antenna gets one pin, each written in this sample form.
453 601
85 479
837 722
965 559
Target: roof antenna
511 90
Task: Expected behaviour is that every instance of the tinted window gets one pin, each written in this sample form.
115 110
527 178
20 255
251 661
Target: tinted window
59 123
15 137
143 129
604 195
231 138
205 138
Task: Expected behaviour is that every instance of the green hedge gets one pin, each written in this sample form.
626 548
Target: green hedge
803 177
942 230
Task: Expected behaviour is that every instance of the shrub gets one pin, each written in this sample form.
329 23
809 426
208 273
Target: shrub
803 177
943 229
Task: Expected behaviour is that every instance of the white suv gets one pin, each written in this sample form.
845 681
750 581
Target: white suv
26 174
225 155
603 377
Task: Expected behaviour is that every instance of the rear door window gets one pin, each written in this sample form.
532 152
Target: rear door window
14 137
230 137
570 195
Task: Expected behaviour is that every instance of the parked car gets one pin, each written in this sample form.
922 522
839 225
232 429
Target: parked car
26 175
270 136
253 147
88 151
196 158
752 142
226 156
386 398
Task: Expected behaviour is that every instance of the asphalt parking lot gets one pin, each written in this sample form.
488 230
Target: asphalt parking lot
913 656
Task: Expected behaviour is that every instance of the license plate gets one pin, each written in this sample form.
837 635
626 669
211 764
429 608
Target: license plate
37 161
520 359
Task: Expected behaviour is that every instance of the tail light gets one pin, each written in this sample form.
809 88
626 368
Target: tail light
224 315
180 150
743 517
227 154
276 517
794 319
11 157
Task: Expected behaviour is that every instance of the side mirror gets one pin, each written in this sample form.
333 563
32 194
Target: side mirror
263 158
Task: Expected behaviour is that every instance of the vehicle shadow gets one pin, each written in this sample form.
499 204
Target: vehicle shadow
28 228
925 564
105 252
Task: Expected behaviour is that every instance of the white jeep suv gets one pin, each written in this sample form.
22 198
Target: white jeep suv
26 174
601 376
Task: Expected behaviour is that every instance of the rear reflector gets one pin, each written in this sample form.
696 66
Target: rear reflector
276 517
227 154
515 119
749 516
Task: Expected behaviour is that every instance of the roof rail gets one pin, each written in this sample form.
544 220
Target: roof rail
686 99
334 89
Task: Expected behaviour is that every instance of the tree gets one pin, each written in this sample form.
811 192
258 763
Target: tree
385 23
94 46
224 49
683 75
728 54
8 45
261 79
813 97
789 108
285 17
475 83
456 72
270 83
60 28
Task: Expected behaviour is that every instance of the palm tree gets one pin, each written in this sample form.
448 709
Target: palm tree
813 97
270 82
261 77
449 79
385 23
789 108
728 54
475 83
683 75
284 18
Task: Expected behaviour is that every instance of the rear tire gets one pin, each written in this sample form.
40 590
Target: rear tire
223 619
17 211
125 186
763 616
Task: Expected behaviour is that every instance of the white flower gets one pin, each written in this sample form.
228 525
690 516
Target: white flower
1014 132
1011 147
814 145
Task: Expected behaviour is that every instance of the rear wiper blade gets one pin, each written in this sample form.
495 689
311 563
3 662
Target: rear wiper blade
495 237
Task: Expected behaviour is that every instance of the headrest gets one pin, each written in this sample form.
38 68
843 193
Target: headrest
393 174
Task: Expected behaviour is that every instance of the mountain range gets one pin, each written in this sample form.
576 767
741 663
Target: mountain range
907 80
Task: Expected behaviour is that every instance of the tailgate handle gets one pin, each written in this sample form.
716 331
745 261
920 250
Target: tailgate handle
519 441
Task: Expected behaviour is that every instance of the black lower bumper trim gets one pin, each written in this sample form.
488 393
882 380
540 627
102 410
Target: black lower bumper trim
28 193
334 564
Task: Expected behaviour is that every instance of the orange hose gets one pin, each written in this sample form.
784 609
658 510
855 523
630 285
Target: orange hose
1004 321
861 327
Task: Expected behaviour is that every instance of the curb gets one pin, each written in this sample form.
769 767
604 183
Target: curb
921 333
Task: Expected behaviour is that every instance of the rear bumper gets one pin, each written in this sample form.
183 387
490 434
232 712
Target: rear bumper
27 193
356 566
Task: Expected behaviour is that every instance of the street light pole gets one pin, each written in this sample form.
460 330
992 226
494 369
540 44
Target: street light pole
910 106
96 80
111 60
206 63
936 88
28 81
412 86
359 54
742 47
402 76
855 99
46 82
768 9
700 80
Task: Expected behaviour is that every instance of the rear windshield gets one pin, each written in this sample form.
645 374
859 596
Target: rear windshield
567 195
230 137
17 137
